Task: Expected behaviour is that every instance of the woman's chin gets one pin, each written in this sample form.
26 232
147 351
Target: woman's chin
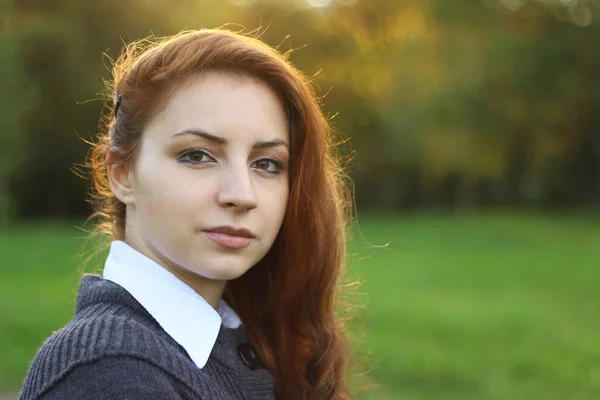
224 272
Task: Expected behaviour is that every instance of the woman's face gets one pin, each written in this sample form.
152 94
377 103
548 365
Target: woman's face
215 161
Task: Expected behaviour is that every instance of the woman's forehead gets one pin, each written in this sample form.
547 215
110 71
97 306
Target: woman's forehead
224 104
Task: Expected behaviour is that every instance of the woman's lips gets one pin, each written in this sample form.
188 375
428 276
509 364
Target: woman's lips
229 241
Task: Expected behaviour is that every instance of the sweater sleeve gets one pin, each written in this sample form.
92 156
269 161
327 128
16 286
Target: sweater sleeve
114 377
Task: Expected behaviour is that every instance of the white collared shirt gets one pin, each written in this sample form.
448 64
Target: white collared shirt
179 310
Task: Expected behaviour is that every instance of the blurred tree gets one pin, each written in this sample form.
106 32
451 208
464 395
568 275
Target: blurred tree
63 45
447 105
578 12
15 100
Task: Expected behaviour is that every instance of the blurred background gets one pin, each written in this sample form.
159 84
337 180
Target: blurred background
475 134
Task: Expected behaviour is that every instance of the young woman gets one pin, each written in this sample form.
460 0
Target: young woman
216 182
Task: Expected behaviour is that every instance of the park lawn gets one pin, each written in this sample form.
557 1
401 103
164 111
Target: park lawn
494 306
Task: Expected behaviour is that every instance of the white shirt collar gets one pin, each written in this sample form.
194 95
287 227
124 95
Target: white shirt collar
179 310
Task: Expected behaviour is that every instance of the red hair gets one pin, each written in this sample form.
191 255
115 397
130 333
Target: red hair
289 302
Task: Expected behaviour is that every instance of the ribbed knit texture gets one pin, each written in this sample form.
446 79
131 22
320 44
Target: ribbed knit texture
114 349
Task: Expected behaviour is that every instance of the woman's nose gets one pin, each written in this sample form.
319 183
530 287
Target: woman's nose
236 189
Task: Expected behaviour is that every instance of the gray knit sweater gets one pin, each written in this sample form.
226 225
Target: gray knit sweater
114 349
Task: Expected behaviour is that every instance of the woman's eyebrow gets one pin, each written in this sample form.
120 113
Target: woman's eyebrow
259 144
202 134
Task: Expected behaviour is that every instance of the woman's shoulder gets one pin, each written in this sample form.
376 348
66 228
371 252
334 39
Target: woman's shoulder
106 322
99 330
109 377
103 333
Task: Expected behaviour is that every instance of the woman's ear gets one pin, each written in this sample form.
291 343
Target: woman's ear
120 178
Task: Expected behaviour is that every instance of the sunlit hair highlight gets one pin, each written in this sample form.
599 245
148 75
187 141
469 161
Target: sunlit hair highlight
290 302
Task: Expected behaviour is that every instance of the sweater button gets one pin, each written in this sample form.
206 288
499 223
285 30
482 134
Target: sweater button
248 355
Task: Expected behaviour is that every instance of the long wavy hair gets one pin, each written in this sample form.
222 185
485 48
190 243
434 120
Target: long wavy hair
290 302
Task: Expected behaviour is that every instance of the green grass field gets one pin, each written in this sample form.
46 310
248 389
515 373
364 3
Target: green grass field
501 306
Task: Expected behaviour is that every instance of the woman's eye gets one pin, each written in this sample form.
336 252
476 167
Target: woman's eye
268 165
196 156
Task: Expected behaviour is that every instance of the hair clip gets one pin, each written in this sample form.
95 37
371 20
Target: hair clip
118 104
